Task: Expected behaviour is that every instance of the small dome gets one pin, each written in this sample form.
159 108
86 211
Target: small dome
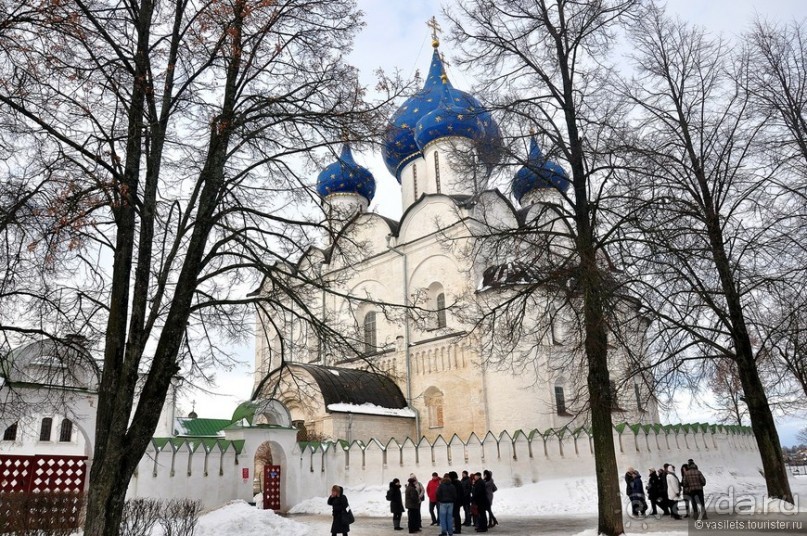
346 176
400 145
455 116
538 173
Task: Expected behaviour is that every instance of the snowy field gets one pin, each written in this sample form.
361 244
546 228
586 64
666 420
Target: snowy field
550 498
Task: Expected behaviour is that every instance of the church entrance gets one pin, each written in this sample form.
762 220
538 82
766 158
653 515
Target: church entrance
268 474
271 490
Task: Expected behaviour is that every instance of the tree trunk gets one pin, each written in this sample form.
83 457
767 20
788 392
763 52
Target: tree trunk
609 504
759 411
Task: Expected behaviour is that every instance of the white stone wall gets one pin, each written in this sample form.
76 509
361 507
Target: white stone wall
214 476
515 460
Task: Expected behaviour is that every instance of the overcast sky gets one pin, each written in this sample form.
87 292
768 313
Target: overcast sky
396 37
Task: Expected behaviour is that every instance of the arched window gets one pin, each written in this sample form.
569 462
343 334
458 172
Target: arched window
11 433
369 332
638 391
66 433
441 310
44 431
556 330
560 400
434 406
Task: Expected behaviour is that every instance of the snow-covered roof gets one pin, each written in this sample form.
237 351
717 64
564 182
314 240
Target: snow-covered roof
371 409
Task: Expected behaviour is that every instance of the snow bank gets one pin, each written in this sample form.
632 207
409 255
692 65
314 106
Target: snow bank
240 518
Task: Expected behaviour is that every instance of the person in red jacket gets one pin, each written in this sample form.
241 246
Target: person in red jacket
431 492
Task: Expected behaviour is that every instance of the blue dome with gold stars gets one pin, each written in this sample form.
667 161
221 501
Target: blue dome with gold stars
400 143
539 172
346 176
454 116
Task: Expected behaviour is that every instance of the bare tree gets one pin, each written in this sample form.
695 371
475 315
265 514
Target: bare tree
727 388
773 71
706 247
541 59
802 436
174 128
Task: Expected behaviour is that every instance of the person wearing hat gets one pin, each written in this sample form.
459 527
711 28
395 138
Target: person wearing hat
636 494
673 491
693 482
421 496
395 503
340 506
412 503
654 491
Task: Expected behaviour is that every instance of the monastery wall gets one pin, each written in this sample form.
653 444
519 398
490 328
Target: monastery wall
518 459
213 471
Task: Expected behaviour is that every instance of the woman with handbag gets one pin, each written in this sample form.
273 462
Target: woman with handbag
342 516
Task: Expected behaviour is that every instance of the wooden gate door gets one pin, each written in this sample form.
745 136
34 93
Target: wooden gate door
271 487
41 492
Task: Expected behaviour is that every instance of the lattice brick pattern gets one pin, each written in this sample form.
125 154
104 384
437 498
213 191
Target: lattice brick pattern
15 473
59 473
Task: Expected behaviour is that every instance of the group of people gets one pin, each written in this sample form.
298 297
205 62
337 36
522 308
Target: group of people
665 489
448 496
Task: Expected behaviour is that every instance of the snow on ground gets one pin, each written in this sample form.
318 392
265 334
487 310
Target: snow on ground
561 497
240 518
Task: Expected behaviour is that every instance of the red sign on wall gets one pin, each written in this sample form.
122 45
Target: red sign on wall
245 473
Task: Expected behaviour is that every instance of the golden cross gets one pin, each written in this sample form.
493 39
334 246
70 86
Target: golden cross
432 23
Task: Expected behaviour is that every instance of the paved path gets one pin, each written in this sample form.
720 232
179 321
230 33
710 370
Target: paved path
549 526
558 526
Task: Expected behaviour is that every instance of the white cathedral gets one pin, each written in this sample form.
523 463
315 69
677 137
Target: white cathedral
410 295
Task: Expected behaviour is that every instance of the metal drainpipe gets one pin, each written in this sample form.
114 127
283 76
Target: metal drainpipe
407 352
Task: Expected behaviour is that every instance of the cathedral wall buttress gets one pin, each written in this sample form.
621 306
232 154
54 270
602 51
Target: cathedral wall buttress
447 388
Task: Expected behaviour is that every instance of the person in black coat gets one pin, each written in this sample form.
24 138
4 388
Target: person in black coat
455 481
395 503
340 506
662 491
652 491
412 503
480 499
466 497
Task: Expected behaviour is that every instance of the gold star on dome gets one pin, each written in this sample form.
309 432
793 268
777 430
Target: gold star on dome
333 175
460 117
438 118
404 125
416 110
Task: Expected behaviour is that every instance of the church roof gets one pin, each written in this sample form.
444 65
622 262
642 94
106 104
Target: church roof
346 176
349 386
186 426
453 115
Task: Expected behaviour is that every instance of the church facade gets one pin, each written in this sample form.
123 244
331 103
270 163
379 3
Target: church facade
414 302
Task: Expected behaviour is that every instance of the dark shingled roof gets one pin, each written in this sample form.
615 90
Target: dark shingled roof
349 386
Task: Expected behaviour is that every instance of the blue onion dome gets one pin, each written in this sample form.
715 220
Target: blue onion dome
539 172
455 116
346 176
400 146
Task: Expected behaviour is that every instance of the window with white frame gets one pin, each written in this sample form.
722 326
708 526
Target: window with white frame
45 429
11 433
66 432
370 332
